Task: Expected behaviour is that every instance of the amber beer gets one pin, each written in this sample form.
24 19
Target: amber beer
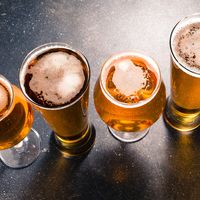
55 79
16 116
129 95
183 107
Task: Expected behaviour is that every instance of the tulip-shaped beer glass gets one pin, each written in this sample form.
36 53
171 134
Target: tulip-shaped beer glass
19 143
129 95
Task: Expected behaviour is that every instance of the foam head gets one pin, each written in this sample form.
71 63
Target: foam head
186 44
129 80
4 99
124 77
56 78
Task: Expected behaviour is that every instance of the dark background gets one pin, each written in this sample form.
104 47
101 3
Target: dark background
164 165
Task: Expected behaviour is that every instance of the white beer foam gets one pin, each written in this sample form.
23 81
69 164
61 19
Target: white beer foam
58 75
4 99
125 78
186 45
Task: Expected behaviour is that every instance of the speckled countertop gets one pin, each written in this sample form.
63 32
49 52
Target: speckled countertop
164 165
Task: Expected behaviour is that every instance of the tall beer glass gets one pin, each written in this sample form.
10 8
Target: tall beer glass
55 79
183 107
129 95
19 144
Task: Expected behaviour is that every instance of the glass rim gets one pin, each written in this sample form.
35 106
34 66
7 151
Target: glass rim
135 53
11 94
175 59
42 49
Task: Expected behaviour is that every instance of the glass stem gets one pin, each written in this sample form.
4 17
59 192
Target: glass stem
20 147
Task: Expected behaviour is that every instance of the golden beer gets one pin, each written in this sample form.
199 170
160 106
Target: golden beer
133 100
183 107
17 117
68 119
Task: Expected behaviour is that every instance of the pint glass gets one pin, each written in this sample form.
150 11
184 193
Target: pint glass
183 106
55 79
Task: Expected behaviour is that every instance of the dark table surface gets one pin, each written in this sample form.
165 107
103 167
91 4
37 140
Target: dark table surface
164 165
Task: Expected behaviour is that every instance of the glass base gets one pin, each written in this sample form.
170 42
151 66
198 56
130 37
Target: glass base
128 136
24 153
179 118
78 147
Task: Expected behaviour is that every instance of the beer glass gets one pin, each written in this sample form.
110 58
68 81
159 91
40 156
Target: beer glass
19 143
129 95
69 121
183 106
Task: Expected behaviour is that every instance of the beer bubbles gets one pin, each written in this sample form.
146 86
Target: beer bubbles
56 78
